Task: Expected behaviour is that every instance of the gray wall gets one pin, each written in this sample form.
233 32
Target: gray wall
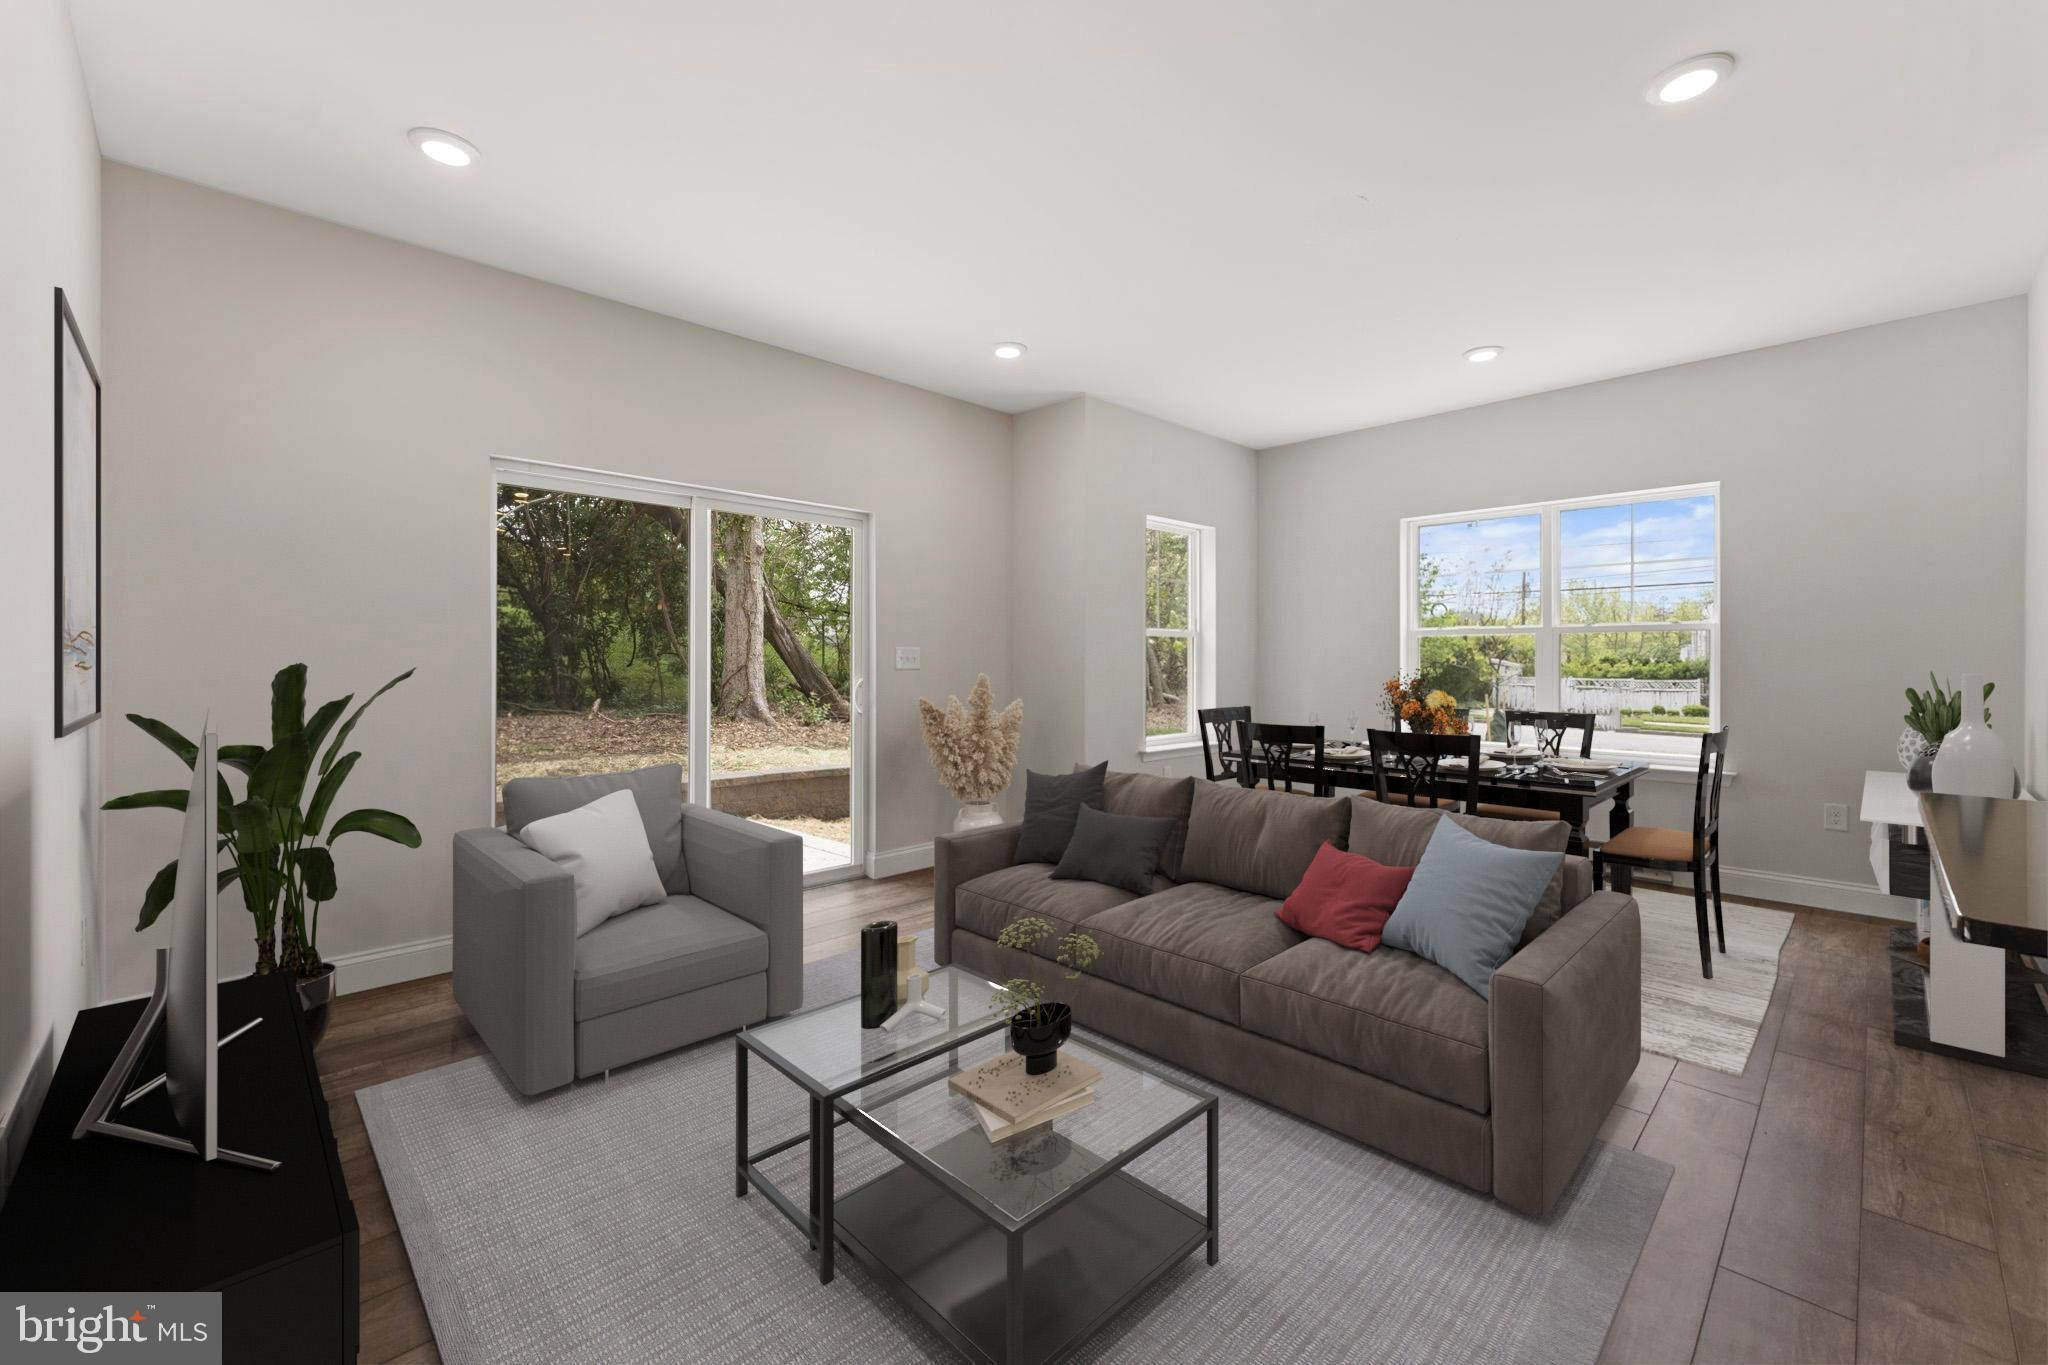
299 422
1871 487
1087 474
2035 742
49 238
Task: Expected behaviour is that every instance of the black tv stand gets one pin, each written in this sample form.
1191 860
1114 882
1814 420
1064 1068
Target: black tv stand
98 1213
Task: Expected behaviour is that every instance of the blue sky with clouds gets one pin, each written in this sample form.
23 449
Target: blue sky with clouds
1661 551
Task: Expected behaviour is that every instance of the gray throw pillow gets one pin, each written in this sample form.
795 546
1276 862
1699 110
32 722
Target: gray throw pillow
1050 805
1396 836
1465 907
1147 794
657 791
1115 850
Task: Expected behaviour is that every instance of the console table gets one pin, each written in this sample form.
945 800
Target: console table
99 1214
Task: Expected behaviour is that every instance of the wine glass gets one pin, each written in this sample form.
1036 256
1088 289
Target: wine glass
1352 721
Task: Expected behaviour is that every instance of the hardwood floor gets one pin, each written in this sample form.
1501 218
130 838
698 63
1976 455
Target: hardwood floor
1840 1200
1843 1199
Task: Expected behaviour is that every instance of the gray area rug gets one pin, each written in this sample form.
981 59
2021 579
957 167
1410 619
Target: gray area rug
598 1224
1713 1023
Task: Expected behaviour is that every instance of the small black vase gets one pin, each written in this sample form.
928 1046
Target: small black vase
1039 1043
877 972
1920 777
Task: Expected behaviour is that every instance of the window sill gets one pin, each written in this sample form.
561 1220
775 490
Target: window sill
1170 747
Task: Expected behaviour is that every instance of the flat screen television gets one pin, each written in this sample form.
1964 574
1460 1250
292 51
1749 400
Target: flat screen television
186 999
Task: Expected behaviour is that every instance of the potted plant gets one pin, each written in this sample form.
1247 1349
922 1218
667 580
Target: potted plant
1930 716
274 832
1038 1026
974 748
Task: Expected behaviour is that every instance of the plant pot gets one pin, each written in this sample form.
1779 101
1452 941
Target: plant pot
1912 745
1974 760
976 815
316 994
1039 1043
1920 776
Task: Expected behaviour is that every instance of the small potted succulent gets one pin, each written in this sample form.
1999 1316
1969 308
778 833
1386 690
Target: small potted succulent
1930 716
1038 1026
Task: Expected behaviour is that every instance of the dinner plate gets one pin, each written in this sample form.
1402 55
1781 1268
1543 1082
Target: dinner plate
1593 766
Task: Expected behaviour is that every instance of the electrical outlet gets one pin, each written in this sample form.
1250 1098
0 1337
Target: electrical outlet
1834 815
909 656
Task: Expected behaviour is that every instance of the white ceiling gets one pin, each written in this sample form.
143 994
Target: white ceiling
1267 219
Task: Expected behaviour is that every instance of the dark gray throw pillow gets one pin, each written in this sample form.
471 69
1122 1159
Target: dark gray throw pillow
1116 850
1050 805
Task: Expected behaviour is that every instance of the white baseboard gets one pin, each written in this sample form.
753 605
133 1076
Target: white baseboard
376 967
1819 892
891 862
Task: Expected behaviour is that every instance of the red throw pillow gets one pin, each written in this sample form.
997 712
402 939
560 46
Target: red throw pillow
1345 898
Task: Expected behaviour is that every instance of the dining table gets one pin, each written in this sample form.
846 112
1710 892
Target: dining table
1572 798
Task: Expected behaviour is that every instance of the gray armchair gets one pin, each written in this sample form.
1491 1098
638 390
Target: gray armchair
723 951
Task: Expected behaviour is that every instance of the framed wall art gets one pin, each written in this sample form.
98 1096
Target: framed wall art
78 642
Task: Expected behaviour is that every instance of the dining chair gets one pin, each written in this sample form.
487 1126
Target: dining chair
1551 727
1412 760
1273 747
1223 742
1674 850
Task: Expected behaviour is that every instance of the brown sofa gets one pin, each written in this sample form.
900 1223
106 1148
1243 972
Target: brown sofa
1501 1094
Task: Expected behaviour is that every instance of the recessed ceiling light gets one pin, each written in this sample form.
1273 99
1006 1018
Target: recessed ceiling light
1690 79
1010 350
443 146
1479 355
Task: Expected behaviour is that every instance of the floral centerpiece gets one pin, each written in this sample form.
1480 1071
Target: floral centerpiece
974 749
1425 710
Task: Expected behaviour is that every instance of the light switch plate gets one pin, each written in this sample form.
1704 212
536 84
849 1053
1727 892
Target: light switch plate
909 656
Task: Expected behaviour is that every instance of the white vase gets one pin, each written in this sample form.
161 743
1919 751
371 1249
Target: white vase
976 815
1973 760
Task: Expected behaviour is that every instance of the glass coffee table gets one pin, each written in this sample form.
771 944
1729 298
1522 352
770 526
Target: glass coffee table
828 1054
1014 1251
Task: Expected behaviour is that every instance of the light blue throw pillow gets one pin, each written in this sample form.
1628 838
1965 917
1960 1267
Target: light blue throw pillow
1466 905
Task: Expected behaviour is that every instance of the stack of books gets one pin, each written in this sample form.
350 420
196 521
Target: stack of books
1008 1101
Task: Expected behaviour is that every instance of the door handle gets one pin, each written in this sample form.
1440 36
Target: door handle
854 697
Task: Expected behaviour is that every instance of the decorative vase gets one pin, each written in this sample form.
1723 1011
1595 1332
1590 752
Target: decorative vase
1920 777
1912 747
1974 760
976 815
316 995
1036 1035
906 963
877 972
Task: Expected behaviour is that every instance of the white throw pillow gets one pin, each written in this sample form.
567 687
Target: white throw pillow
604 847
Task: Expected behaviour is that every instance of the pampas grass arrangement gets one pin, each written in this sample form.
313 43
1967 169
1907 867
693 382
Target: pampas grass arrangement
973 747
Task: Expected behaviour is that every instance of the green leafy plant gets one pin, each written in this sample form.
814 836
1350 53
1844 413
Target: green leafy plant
274 831
1024 995
1935 712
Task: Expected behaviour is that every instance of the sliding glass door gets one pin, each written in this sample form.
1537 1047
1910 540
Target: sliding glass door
641 622
782 678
